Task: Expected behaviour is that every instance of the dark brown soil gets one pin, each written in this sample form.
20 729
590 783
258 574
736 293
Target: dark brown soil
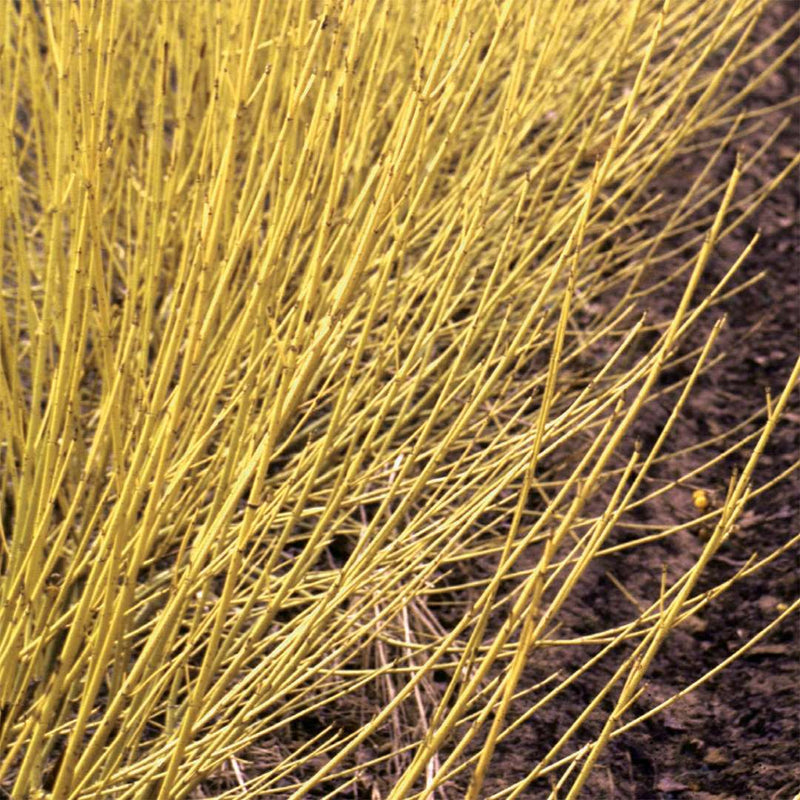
737 737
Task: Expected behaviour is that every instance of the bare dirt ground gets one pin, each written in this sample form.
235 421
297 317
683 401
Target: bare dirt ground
738 736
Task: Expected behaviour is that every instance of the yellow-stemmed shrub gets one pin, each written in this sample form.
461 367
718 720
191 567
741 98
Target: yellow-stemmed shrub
309 308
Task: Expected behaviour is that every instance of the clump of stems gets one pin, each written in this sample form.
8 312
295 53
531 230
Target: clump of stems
310 312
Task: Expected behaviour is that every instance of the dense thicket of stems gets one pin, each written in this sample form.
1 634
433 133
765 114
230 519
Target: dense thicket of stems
309 309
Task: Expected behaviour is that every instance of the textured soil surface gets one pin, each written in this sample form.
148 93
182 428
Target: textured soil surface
737 736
